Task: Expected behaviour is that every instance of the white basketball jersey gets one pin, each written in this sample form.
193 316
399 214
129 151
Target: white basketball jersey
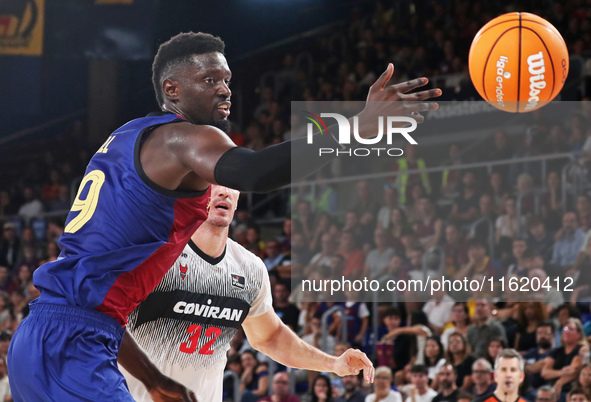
185 325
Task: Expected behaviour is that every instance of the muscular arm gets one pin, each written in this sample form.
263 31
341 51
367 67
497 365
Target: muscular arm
267 334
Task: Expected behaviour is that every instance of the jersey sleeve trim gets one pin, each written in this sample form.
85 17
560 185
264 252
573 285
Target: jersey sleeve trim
143 135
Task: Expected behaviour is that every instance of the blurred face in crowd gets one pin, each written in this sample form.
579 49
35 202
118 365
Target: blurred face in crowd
248 361
339 349
578 397
392 322
537 231
456 345
480 375
298 242
328 244
452 235
569 223
431 349
508 375
347 241
585 377
571 334
494 348
426 206
447 376
281 385
363 190
351 220
416 257
563 316
509 205
553 180
478 252
486 205
321 388
469 180
272 249
280 293
382 381
380 237
583 205
519 247
482 309
419 380
495 181
544 396
351 383
544 336
394 264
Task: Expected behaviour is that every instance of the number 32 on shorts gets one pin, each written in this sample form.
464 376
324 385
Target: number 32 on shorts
86 206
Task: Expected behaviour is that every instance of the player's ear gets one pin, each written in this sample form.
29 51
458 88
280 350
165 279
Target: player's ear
171 90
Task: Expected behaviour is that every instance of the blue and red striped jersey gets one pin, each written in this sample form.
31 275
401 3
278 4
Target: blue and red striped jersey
124 231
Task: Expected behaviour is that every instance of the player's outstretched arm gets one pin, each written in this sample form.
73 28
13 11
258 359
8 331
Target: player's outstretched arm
267 334
139 365
173 151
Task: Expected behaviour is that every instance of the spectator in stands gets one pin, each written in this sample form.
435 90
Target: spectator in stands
460 322
352 391
569 241
450 178
482 377
507 225
455 249
550 296
478 262
24 278
539 239
326 198
564 363
300 251
354 257
7 206
497 190
52 251
534 358
9 245
551 201
275 258
584 212
287 312
495 346
5 313
465 208
376 262
5 393
62 201
398 225
418 326
353 224
483 329
254 382
485 229
32 207
320 391
382 390
582 288
415 269
518 268
546 394
448 388
418 390
404 181
321 227
555 141
6 283
365 202
390 202
429 228
328 248
584 381
438 310
529 317
401 344
232 366
458 355
304 223
577 395
280 386
501 151
434 357
356 318
314 338
525 185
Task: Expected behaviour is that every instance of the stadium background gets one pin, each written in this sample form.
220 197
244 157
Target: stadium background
92 74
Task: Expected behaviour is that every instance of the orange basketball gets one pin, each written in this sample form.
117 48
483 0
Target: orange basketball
518 62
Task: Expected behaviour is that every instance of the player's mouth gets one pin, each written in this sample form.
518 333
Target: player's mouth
222 206
224 109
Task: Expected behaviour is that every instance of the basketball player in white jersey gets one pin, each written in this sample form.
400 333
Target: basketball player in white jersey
185 325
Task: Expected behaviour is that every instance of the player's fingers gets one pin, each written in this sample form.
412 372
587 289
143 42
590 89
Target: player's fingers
420 106
423 95
381 82
191 397
407 86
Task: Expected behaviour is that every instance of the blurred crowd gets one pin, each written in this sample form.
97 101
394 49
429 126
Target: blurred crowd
510 221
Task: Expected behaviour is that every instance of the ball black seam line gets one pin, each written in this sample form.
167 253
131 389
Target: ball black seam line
488 57
519 67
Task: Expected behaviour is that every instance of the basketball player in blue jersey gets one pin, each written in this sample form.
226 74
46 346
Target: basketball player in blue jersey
185 325
143 195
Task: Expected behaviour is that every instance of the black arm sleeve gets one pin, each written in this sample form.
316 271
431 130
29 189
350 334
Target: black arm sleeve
271 168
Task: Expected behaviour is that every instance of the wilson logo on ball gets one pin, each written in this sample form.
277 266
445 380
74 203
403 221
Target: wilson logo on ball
518 62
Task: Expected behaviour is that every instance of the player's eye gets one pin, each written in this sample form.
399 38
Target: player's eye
209 80
227 82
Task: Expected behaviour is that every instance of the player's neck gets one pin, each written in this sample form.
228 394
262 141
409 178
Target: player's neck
211 239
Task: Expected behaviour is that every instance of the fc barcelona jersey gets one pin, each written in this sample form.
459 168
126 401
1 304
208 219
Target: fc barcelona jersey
123 232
